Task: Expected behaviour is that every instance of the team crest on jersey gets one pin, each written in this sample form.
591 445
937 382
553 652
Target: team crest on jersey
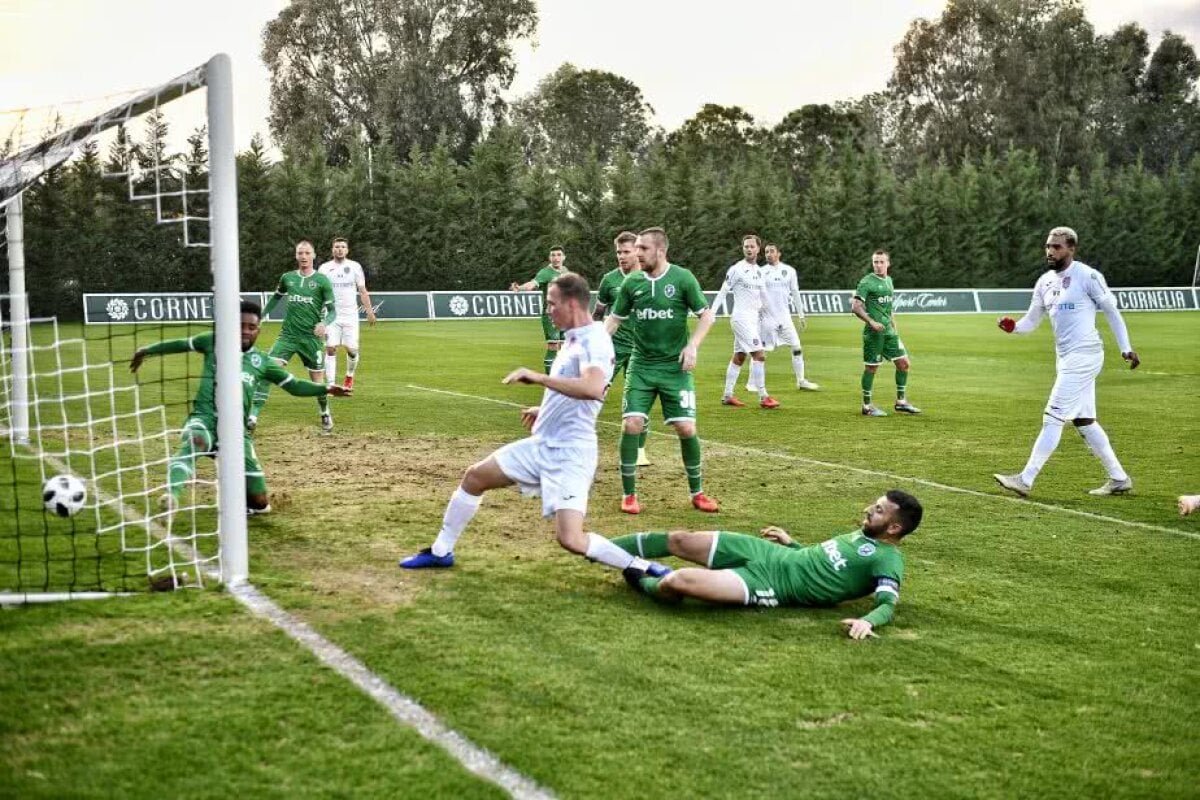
1067 282
255 360
866 549
669 291
345 270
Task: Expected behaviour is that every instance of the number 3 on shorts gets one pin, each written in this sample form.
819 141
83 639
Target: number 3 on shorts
687 400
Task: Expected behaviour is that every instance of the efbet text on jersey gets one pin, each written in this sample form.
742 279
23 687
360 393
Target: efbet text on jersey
835 556
654 313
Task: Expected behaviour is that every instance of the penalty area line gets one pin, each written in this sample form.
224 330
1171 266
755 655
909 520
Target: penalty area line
833 465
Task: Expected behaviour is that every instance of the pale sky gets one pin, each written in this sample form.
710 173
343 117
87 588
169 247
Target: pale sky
768 56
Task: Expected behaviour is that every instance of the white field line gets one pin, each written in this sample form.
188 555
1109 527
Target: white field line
403 708
863 471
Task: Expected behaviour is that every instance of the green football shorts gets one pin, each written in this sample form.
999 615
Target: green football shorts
310 349
674 388
880 347
758 563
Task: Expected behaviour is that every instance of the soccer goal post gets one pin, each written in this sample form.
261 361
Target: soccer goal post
68 402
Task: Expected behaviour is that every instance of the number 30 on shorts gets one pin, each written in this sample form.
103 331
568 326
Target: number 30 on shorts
687 399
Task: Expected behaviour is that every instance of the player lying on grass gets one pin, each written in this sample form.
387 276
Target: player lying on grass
199 435
774 570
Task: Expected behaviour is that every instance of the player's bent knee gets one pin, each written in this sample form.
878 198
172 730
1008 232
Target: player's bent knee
686 430
634 424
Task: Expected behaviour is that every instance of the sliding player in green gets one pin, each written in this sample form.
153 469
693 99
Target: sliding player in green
659 297
541 282
622 339
199 436
873 304
774 570
310 308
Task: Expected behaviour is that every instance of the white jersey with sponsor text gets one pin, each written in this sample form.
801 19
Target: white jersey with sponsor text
346 278
745 282
564 421
1070 298
783 289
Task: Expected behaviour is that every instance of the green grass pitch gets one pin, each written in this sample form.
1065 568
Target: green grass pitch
1037 651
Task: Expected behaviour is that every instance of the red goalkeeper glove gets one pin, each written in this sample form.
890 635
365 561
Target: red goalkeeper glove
1007 324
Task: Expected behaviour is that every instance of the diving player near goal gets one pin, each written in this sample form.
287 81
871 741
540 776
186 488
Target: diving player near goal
541 282
745 570
199 435
744 281
310 309
1069 293
783 288
349 287
558 459
622 339
659 297
873 304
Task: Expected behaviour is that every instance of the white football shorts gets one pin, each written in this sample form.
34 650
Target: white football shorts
747 338
776 334
1074 392
342 333
562 476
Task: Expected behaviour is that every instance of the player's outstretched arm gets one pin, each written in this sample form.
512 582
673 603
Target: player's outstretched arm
592 385
201 343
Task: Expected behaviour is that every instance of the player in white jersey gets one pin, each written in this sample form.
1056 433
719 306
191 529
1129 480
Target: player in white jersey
783 294
745 282
558 460
1069 293
349 287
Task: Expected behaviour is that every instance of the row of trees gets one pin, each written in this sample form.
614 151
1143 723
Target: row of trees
1001 119
1030 74
429 222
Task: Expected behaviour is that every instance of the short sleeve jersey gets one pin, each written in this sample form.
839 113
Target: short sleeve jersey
562 420
610 284
346 279
543 278
877 294
659 306
309 298
255 366
1070 298
844 568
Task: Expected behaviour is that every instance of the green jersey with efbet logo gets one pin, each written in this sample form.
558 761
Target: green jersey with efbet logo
660 308
310 301
877 295
843 568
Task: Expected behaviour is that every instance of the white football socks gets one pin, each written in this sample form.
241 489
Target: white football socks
1043 448
1097 442
731 377
798 365
351 364
758 375
330 368
607 553
459 510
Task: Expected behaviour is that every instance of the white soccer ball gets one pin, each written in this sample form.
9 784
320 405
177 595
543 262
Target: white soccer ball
64 495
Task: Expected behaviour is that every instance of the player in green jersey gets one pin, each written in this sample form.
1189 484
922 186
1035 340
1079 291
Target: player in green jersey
659 297
310 308
622 340
873 305
541 282
774 570
199 435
